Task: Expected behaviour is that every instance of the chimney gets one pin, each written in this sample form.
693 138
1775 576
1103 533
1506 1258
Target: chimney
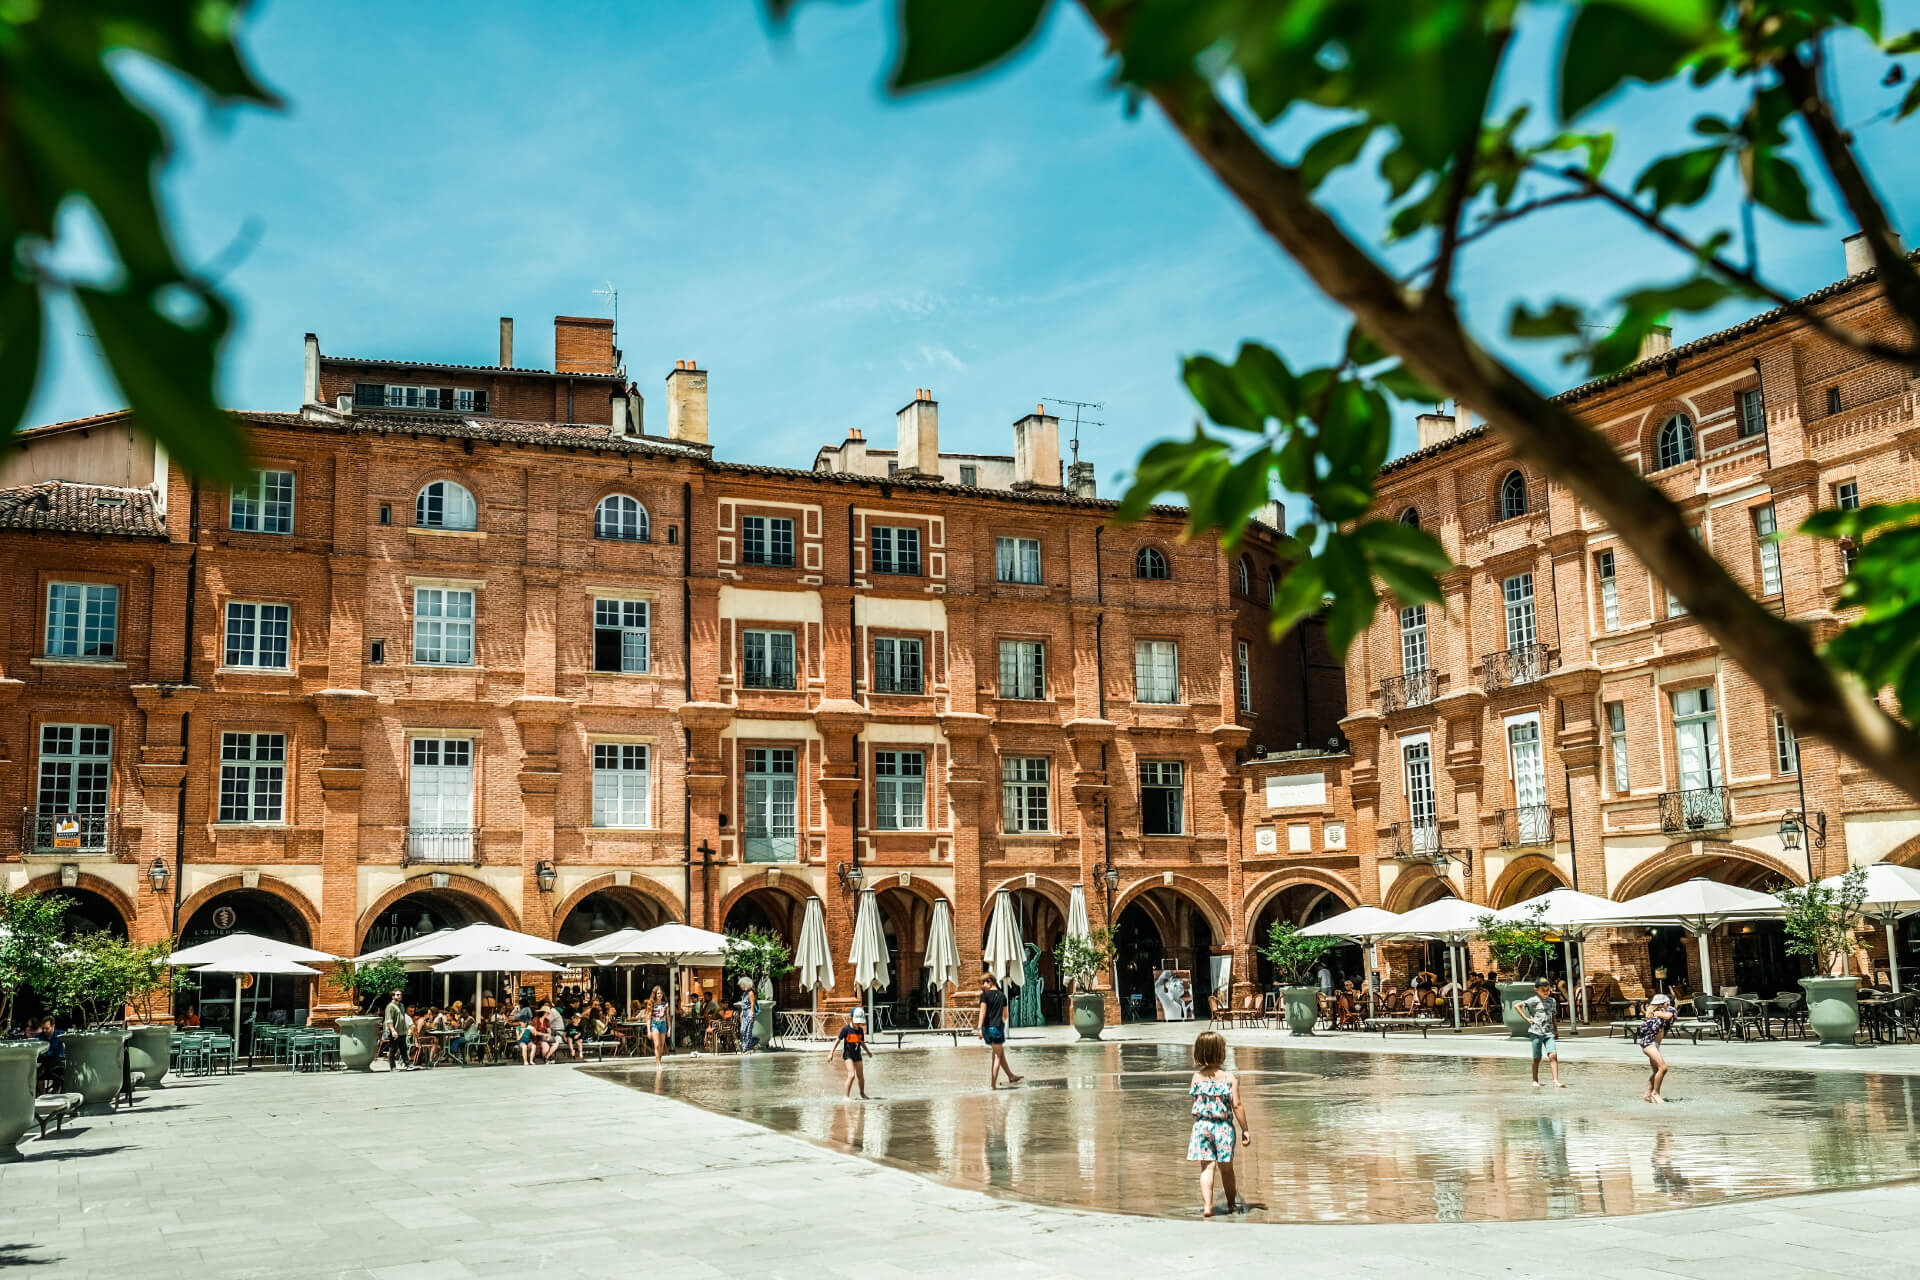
1859 253
853 433
311 384
920 436
687 403
506 342
1036 450
1435 427
619 414
1273 514
1080 480
344 403
583 344
1658 342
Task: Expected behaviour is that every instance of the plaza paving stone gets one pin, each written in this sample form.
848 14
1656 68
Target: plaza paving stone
553 1172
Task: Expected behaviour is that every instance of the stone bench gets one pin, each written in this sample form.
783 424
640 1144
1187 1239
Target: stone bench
54 1108
1418 1022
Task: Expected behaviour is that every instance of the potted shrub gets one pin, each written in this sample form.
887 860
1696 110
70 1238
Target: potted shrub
369 985
95 977
1081 958
1522 947
150 1045
1820 922
1294 956
761 956
29 940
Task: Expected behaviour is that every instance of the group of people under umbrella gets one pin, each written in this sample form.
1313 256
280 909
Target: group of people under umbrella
1696 906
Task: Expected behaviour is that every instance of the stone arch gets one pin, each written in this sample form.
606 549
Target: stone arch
1052 890
272 886
1749 868
919 886
1412 883
1521 878
1196 894
115 897
1647 434
476 892
1906 854
1274 884
788 886
639 887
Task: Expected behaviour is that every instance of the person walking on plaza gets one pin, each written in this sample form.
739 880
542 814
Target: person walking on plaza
1540 1009
850 1044
749 1015
393 1034
657 1024
1216 1110
1660 1012
993 1030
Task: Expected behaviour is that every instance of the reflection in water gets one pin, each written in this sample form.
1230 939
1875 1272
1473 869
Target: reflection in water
1336 1137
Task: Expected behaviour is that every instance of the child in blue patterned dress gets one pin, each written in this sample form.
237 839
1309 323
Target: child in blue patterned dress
1216 1109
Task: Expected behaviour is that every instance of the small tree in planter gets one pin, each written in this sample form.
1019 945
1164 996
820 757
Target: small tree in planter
153 979
1522 947
758 954
1294 956
370 984
97 976
1080 959
1820 922
30 943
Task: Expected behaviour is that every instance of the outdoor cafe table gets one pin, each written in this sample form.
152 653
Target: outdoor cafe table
804 1024
1873 1010
442 1051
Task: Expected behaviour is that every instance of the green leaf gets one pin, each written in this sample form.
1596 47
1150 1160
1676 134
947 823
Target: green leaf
1611 41
1300 595
20 322
1910 103
1777 185
1906 42
1681 179
1559 320
1698 293
1401 169
1351 586
1266 383
941 40
1362 350
1389 540
1332 150
1216 388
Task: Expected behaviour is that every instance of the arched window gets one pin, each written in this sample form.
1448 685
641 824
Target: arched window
1273 583
1410 518
620 518
1676 441
1246 577
445 505
1513 496
1149 563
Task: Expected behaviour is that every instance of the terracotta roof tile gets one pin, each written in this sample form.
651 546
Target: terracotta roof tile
371 362
56 506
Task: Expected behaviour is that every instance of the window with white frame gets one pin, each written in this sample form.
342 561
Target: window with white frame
622 784
253 777
1156 670
1751 408
1163 798
1786 747
1533 822
83 619
766 659
1605 570
257 635
770 829
1023 669
766 540
1513 496
1243 674
1413 639
1023 790
263 505
1150 562
1016 559
1517 591
445 505
899 790
896 549
1246 576
897 665
76 763
1617 730
391 395
1765 527
620 635
440 785
1847 498
1416 761
621 518
1675 609
1676 441
442 627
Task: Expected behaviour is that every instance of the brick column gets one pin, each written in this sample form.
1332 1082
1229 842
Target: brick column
840 722
707 777
538 719
343 713
162 772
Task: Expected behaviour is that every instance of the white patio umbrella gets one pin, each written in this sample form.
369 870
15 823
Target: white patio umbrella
1699 906
1571 914
869 954
675 945
244 944
1448 920
943 956
613 948
1892 894
813 957
423 951
1006 953
494 960
1365 925
256 963
1077 926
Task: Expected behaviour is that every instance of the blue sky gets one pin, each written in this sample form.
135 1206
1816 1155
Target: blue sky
764 208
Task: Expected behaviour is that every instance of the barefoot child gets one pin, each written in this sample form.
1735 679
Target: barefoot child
1540 1010
851 1046
1216 1108
1660 1013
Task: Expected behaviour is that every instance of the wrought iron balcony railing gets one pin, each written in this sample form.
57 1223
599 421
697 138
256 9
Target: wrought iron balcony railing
1505 668
89 834
442 846
1416 839
771 848
1526 824
1698 809
1414 689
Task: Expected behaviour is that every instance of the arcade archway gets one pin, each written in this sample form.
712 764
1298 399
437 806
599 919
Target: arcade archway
1164 940
1301 905
280 999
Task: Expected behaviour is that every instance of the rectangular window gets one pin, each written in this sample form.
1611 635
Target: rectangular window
1833 399
766 659
1751 408
469 401
1016 559
1786 747
1244 673
897 665
1847 498
257 635
1603 567
75 763
442 627
1533 822
1023 669
1696 733
253 777
1764 528
1163 798
622 784
770 828
83 619
1617 730
1156 671
264 505
1413 639
620 635
440 785
969 476
1675 609
896 550
1023 789
766 540
899 790
1416 755
1518 591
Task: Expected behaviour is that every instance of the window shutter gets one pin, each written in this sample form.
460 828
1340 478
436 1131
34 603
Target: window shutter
479 402
446 397
606 649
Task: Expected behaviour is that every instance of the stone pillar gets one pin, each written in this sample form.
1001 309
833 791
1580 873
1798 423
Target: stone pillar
538 719
966 797
162 771
840 722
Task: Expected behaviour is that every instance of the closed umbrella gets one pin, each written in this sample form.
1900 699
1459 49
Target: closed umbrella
255 962
943 956
1077 913
813 958
869 954
1699 906
1006 954
1365 925
1892 893
1448 920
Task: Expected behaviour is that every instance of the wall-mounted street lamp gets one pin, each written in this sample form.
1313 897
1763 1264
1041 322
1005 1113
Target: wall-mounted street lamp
851 876
545 876
157 875
1795 823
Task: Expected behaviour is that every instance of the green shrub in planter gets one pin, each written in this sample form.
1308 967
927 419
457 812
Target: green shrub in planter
1294 957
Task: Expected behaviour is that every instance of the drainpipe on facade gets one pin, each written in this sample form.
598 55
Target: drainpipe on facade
186 678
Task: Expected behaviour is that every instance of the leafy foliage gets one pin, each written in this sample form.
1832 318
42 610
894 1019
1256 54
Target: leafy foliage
30 942
1882 645
97 975
1293 954
1521 946
758 954
370 984
1083 957
1820 919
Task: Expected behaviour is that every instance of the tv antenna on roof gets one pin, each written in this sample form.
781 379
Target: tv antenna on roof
612 294
1077 406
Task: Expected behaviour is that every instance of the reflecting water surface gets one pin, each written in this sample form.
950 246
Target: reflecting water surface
1337 1137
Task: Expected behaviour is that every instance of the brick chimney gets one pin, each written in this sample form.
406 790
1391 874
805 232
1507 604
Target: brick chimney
583 344
920 436
1658 342
687 403
506 342
1036 450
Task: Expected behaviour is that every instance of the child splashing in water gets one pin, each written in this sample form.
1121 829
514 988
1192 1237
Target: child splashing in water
1216 1109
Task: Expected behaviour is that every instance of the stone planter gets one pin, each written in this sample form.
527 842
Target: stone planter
150 1052
1512 993
1833 1010
95 1068
763 1025
1303 1008
18 1064
1089 1015
359 1041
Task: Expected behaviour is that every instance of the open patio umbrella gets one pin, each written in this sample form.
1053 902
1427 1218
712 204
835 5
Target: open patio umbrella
869 954
244 944
1366 926
1448 920
675 945
494 960
813 958
424 951
1006 953
1892 893
256 962
943 957
1571 914
1077 926
1699 906
613 948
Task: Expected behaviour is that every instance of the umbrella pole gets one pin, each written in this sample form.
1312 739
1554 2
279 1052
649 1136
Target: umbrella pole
1573 1002
1453 957
238 991
1706 972
1893 960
